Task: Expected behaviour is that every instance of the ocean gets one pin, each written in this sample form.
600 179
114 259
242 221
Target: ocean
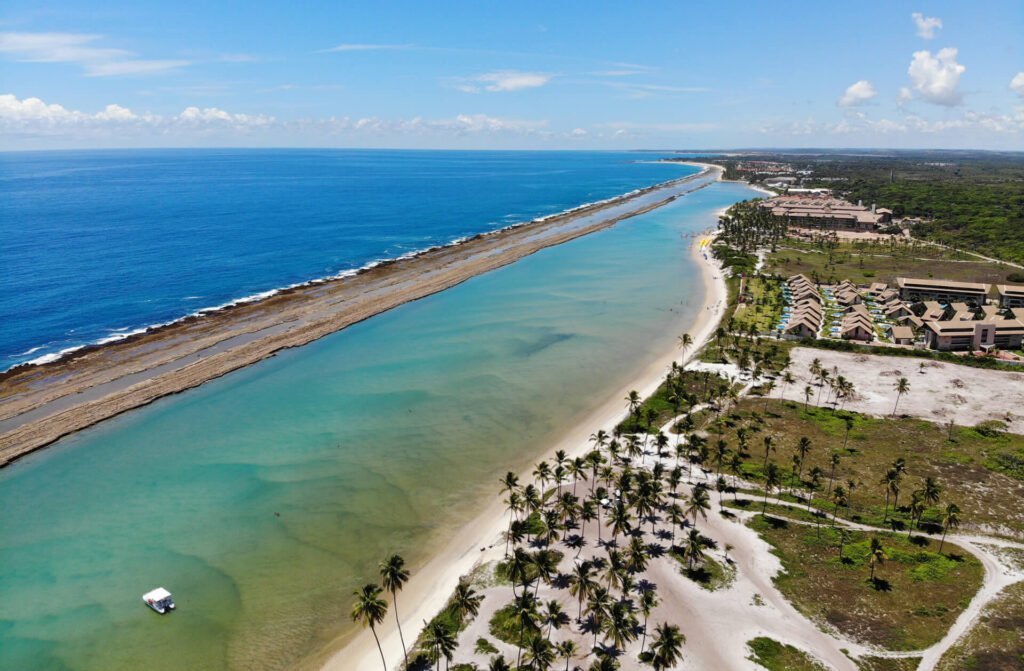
99 244
263 498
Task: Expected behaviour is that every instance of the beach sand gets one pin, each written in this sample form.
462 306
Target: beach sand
40 404
481 540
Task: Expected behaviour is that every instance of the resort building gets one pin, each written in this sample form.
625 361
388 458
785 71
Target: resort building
817 211
902 335
974 335
942 290
1010 295
857 324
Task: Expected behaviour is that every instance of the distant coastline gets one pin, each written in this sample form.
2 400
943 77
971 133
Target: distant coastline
44 401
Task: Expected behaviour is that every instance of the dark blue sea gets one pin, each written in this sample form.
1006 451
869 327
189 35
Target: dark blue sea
96 245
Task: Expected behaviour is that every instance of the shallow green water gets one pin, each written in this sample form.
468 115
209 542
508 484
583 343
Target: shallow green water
262 499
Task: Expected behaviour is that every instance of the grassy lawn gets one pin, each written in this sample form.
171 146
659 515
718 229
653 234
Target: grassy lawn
995 643
763 308
981 471
662 402
888 663
879 264
916 596
776 656
710 574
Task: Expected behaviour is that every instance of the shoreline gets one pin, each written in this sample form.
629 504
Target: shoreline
39 404
479 540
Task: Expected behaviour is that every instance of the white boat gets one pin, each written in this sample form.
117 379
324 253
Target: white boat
159 600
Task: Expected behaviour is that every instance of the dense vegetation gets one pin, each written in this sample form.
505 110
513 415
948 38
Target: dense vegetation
969 200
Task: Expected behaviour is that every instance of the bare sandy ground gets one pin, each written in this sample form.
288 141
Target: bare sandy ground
480 541
39 404
939 392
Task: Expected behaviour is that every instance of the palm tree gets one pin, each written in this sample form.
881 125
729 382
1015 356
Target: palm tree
808 392
685 342
693 548
526 617
393 576
772 479
931 491
440 641
553 616
566 650
950 520
891 482
620 624
633 401
876 555
648 602
369 610
700 502
582 584
465 601
769 447
839 499
803 446
848 421
666 647
902 386
498 663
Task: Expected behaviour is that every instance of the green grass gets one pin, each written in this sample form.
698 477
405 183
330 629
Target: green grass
763 308
692 382
776 656
710 574
995 641
888 663
979 470
505 627
879 264
916 597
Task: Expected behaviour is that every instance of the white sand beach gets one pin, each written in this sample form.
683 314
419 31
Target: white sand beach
481 540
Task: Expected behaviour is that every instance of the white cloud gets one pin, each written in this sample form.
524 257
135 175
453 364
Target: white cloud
578 132
32 116
857 93
937 78
366 47
503 81
926 25
1017 84
905 96
79 48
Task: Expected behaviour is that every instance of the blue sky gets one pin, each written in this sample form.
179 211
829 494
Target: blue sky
513 75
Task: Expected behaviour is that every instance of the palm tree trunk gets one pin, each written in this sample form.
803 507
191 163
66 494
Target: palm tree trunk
379 649
943 541
394 597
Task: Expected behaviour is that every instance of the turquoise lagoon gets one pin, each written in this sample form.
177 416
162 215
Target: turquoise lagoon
263 498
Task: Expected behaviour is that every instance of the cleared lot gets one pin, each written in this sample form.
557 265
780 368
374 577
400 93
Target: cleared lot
938 391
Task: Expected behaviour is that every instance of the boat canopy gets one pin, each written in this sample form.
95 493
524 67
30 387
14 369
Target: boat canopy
159 594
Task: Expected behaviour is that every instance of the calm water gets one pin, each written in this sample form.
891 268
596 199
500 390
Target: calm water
263 498
96 244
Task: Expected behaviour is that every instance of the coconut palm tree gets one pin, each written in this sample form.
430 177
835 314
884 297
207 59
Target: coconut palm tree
648 602
839 499
902 386
769 447
566 650
553 616
666 647
931 491
772 479
369 610
498 663
582 584
525 611
876 555
393 576
848 422
685 342
598 607
633 402
693 548
439 641
808 392
803 447
891 482
466 601
950 520
700 502
620 625
833 462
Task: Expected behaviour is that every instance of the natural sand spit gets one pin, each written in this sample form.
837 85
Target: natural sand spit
40 404
481 540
